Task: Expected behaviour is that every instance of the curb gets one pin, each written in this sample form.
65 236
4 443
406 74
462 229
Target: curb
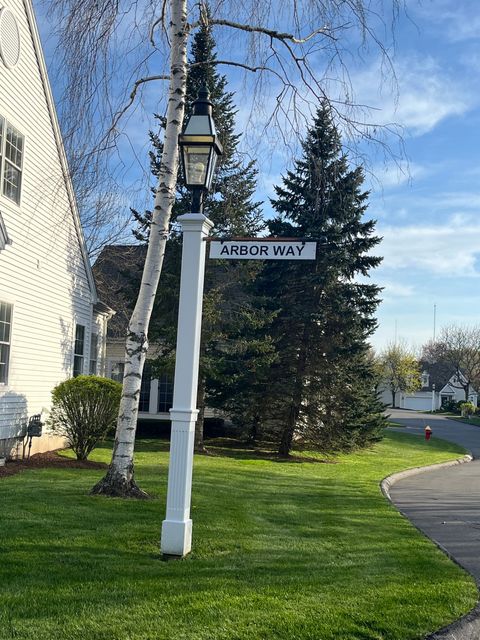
389 481
465 628
468 626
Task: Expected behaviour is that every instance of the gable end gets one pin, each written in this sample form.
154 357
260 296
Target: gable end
59 143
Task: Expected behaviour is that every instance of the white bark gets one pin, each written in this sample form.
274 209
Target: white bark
120 472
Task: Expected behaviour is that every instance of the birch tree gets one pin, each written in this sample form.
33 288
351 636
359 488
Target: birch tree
298 53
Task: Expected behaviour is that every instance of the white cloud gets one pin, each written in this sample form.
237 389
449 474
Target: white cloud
394 174
393 290
450 248
426 95
458 22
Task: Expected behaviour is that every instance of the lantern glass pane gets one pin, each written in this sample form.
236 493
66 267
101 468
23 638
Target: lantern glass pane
211 171
200 125
196 164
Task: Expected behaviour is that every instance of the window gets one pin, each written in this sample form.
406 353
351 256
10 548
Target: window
11 160
93 354
79 350
117 371
5 336
445 400
165 393
144 401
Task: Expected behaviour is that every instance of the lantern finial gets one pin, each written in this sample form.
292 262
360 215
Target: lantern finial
202 105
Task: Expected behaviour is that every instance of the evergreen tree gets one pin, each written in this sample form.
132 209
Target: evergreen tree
229 310
322 385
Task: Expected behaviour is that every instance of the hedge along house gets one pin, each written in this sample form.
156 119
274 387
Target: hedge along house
52 325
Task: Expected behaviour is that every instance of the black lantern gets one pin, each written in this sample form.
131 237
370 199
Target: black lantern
199 148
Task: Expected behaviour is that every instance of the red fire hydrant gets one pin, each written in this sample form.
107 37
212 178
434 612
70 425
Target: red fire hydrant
428 432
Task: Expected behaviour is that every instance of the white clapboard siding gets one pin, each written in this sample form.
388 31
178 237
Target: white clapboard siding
44 272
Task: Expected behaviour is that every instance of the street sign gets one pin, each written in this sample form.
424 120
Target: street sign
262 250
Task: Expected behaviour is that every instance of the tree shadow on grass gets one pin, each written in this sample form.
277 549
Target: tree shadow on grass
241 450
232 448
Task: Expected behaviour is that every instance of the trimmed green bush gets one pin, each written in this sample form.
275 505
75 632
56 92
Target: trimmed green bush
84 409
467 409
451 406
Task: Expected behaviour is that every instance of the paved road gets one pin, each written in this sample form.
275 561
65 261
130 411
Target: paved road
445 504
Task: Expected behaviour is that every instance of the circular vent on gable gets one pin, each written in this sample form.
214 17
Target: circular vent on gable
9 38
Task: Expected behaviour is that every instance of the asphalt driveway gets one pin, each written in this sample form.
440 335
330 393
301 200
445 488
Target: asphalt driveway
444 503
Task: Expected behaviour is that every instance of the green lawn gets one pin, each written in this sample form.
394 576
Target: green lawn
290 551
475 420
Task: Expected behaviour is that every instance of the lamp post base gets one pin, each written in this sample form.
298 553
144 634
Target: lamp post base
176 538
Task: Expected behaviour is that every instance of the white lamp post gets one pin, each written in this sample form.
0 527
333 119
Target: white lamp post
200 149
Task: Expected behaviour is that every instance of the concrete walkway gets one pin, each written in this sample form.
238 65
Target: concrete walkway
445 503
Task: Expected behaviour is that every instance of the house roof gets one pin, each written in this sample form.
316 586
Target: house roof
117 269
439 374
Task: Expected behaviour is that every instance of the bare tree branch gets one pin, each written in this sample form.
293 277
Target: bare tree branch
241 65
160 20
132 96
277 35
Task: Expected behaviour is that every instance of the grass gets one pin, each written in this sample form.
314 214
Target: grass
475 420
282 551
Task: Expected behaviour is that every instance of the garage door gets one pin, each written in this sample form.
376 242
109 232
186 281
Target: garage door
420 404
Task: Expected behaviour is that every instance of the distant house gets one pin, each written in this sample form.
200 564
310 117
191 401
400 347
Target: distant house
52 324
115 269
438 386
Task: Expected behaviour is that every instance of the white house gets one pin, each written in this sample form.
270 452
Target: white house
438 386
52 325
116 270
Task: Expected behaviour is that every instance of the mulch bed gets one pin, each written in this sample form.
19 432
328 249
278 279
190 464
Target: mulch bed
48 459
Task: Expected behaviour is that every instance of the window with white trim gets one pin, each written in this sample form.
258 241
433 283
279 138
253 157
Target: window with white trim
79 350
165 393
5 339
12 144
116 372
93 354
144 398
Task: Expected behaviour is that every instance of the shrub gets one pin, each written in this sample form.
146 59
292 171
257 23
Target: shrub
451 407
84 409
467 409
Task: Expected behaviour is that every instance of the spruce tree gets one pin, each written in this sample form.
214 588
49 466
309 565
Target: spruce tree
322 386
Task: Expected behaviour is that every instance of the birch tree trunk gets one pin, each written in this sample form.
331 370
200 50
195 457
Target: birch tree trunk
119 480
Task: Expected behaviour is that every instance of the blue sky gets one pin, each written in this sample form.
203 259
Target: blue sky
426 204
430 220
